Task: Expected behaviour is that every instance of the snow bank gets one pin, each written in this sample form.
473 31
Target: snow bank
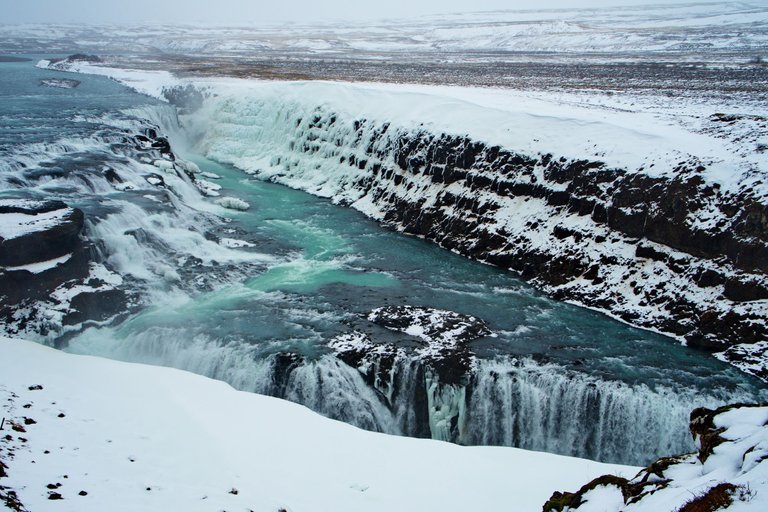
146 82
137 437
15 225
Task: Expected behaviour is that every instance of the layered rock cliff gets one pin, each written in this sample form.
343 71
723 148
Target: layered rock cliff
675 241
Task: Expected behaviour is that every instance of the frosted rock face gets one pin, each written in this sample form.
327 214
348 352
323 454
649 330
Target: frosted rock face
728 470
61 83
442 361
33 231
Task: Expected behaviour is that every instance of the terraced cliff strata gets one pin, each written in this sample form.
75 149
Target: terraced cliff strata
669 251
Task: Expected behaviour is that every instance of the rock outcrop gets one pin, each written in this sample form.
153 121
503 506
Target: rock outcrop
440 359
729 467
60 83
40 247
52 277
37 231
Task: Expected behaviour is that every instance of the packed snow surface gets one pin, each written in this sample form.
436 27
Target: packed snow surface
14 225
137 437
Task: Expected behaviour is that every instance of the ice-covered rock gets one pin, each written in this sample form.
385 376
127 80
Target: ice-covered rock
208 188
61 83
34 231
728 472
233 203
441 361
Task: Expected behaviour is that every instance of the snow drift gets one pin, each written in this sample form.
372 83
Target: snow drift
103 435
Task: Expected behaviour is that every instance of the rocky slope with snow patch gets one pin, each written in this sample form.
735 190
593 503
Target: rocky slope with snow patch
729 471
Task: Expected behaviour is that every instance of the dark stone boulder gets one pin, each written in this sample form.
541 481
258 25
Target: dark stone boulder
19 285
46 230
745 290
283 364
96 305
447 327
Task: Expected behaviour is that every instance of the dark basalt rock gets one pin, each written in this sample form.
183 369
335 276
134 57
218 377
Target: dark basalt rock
112 176
745 291
83 57
19 285
374 361
97 305
46 243
564 501
283 364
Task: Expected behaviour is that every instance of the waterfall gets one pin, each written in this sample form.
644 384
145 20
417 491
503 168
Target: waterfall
325 384
506 402
446 405
547 408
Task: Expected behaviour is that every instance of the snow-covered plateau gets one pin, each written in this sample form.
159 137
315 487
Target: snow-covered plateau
83 433
709 30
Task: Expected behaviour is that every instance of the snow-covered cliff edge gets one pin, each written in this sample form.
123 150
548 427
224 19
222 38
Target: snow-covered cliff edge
727 472
95 434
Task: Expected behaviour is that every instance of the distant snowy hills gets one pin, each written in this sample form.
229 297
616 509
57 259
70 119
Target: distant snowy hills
707 30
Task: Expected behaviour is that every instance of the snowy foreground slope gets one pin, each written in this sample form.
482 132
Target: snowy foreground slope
136 437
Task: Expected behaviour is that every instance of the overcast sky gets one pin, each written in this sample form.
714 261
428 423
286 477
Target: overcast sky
255 11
